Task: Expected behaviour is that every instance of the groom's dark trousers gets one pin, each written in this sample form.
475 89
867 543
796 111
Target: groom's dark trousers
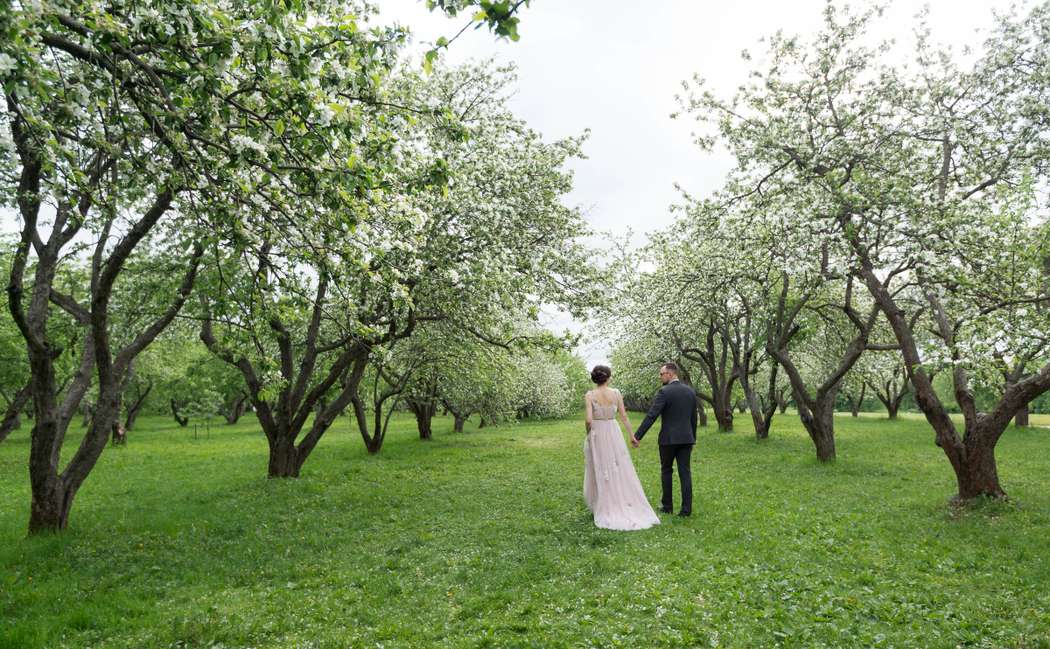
675 405
669 454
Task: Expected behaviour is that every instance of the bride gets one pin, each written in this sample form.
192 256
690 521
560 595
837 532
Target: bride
610 484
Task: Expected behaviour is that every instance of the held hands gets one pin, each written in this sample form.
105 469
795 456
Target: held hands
634 441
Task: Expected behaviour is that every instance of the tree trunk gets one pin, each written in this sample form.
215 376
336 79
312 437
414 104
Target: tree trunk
374 440
820 424
457 424
855 404
12 418
119 433
182 421
973 456
284 458
482 424
758 418
892 409
133 414
424 413
701 413
236 409
724 417
715 362
722 409
135 407
49 509
979 476
1020 419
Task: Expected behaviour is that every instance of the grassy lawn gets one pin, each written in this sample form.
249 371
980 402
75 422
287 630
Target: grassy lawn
482 539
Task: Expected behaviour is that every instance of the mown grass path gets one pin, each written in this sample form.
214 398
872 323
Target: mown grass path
482 539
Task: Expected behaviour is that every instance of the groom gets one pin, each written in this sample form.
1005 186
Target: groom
675 404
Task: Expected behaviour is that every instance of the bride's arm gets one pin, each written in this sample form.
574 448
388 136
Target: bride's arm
587 409
623 414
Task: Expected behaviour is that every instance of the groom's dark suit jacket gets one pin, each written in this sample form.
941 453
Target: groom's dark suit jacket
675 404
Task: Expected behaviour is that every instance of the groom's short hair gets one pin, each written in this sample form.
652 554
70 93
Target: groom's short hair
671 367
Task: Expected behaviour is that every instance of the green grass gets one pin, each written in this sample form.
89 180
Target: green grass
482 539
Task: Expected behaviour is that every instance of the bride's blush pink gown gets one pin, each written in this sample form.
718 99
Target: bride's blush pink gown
610 484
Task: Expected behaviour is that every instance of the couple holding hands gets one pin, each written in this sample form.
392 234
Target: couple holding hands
610 485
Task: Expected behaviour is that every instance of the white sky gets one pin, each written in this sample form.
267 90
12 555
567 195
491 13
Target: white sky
614 67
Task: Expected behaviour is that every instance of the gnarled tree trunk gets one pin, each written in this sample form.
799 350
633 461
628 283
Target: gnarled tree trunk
424 412
762 407
284 419
716 363
972 456
816 408
818 418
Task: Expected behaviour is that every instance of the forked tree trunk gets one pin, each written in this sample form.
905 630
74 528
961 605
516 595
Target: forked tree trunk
817 412
891 392
892 408
724 417
819 422
135 408
762 408
424 413
236 409
714 360
284 458
374 441
722 405
973 455
459 417
980 476
49 509
758 417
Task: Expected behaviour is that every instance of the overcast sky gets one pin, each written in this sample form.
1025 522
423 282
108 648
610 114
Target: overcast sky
614 68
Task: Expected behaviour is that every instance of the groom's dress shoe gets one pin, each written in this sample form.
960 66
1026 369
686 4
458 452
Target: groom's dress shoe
685 513
667 510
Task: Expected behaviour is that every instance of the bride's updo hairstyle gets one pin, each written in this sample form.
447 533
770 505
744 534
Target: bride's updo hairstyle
600 374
